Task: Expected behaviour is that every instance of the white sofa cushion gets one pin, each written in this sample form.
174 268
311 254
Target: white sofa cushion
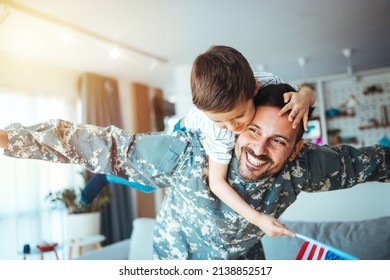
141 240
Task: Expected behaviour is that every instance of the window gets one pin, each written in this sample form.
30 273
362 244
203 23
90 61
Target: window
25 216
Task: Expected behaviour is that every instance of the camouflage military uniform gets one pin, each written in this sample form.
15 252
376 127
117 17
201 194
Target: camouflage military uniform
192 223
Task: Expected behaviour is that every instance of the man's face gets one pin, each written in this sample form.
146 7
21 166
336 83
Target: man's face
266 144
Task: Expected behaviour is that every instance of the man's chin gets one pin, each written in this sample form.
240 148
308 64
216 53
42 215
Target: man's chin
249 175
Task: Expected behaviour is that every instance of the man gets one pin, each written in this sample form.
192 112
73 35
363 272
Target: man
271 166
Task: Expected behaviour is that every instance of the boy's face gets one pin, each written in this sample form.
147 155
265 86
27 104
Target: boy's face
235 120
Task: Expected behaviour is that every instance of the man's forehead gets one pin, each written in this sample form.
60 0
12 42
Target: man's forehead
267 117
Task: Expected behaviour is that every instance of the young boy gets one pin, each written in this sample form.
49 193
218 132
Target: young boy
223 87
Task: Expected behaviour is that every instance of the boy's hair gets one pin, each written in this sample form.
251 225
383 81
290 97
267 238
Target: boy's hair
272 95
220 78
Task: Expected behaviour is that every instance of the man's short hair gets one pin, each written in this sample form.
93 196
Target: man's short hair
220 78
272 95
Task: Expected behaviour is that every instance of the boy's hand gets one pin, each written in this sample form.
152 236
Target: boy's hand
299 104
272 227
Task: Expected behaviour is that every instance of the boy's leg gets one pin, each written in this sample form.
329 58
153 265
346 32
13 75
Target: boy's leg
98 181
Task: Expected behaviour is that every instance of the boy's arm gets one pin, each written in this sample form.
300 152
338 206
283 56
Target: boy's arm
219 186
298 102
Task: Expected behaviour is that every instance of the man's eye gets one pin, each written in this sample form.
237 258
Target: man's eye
278 141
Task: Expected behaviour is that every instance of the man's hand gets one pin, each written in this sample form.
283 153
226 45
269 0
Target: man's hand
299 104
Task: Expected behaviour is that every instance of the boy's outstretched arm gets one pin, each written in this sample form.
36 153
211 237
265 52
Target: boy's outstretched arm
220 187
299 104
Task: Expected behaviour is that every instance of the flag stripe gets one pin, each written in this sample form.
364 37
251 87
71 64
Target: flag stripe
320 254
312 252
302 251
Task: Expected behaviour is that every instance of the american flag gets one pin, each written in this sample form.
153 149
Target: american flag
314 250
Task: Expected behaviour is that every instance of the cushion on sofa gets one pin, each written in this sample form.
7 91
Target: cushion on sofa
366 239
141 240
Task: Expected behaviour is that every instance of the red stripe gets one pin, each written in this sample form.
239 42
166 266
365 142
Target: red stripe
320 253
312 251
302 251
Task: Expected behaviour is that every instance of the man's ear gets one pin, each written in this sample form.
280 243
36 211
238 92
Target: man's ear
296 149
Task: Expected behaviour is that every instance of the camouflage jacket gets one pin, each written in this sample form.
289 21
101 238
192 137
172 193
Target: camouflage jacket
192 223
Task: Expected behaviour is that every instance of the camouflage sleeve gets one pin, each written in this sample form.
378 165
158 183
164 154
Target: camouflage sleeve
110 150
345 166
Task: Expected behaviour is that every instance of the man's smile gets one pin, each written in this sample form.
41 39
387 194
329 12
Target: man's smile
256 161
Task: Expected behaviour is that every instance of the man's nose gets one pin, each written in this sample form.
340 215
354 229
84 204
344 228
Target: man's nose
260 146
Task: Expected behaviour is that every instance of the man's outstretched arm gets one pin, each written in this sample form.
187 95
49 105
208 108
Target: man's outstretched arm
345 166
142 158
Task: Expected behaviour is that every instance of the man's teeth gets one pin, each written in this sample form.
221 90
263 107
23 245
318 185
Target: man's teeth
255 161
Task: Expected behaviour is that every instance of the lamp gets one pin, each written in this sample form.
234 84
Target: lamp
302 63
347 53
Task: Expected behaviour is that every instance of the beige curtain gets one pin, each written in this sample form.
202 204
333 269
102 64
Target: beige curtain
101 107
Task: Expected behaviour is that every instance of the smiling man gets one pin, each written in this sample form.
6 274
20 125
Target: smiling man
267 145
271 166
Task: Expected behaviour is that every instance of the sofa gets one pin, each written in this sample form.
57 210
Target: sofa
366 239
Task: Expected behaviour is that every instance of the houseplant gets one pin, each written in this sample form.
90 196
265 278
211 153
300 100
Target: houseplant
70 198
82 222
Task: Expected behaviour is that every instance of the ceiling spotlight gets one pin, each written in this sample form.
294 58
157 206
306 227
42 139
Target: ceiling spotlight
347 52
114 53
302 61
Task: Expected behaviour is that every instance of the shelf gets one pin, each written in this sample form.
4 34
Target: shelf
364 127
342 115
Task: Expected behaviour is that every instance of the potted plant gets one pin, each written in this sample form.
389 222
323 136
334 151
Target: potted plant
70 198
81 221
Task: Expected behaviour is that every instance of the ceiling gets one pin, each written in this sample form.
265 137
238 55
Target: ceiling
272 35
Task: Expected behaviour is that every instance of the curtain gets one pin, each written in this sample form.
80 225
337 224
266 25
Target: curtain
101 107
25 216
